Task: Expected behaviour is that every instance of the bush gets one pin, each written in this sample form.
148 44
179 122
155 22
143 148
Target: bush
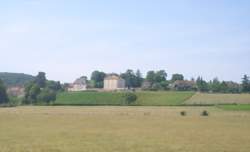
46 96
129 98
183 113
204 113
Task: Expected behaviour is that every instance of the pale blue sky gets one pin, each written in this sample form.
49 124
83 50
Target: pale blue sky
70 38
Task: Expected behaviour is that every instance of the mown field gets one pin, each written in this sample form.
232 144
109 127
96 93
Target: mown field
214 99
109 98
123 129
241 107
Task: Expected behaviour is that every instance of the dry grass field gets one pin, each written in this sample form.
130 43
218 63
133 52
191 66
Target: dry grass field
123 129
206 98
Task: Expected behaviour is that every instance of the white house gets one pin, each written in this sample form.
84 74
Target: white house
79 85
114 82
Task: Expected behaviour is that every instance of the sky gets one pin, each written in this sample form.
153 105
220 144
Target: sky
71 38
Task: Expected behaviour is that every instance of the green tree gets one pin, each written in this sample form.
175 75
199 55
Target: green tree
33 93
98 77
36 91
139 78
160 76
245 84
158 80
40 79
46 96
223 87
150 76
176 77
54 85
3 95
215 85
202 85
133 80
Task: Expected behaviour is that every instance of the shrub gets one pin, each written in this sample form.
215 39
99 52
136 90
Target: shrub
46 96
204 113
183 113
129 98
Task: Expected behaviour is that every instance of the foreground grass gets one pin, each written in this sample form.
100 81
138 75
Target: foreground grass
213 99
122 129
110 98
242 107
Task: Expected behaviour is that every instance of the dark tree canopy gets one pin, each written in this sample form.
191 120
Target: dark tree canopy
41 90
41 79
245 84
133 80
3 95
176 77
157 80
202 85
98 77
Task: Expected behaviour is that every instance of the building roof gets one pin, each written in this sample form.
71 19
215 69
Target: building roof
112 77
81 81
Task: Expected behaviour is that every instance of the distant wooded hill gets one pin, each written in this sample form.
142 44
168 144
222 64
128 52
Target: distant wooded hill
14 79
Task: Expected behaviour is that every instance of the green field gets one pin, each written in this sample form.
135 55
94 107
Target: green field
241 107
214 99
110 98
123 129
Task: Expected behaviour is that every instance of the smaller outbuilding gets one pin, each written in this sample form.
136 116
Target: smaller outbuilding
183 85
80 84
16 91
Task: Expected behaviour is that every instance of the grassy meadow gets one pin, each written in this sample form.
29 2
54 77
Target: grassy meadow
144 98
213 99
241 107
123 129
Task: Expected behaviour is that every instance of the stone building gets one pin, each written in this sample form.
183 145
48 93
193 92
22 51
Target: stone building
79 85
114 82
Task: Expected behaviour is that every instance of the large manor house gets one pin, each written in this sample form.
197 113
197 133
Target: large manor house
111 82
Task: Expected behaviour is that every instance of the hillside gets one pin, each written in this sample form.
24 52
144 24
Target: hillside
13 79
108 98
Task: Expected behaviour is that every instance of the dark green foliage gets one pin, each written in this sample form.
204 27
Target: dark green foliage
32 90
157 80
176 77
54 85
40 80
160 76
41 91
46 96
216 86
133 80
15 79
202 85
204 113
245 84
98 77
3 95
129 98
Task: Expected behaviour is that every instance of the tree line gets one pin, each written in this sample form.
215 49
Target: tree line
43 91
157 80
38 91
